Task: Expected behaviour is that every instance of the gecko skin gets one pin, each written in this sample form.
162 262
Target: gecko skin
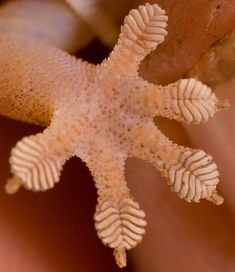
104 114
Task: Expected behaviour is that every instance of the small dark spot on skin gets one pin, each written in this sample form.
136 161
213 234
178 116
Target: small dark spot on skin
218 6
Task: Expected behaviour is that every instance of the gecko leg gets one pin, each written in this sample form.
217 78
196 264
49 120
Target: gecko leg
190 101
187 100
142 32
37 161
119 221
191 173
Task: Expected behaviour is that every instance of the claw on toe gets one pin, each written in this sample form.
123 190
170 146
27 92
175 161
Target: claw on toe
216 198
13 184
121 226
120 257
222 104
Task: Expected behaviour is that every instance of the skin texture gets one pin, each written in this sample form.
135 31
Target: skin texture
181 219
64 216
186 233
104 115
53 231
182 237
